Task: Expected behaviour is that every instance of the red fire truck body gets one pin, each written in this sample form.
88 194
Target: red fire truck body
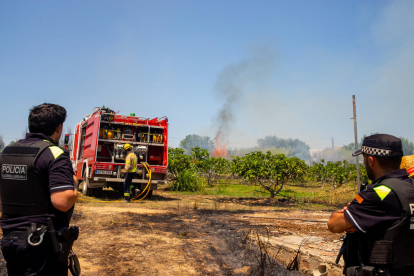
98 156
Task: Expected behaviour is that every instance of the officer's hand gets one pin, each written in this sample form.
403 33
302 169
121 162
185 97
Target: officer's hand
350 230
344 209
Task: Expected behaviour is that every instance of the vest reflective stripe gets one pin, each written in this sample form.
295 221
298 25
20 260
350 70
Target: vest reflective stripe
382 191
56 151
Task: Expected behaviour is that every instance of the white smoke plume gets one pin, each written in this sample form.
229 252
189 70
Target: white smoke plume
235 82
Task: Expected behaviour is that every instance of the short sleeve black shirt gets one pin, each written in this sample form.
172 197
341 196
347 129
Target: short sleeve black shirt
377 207
55 163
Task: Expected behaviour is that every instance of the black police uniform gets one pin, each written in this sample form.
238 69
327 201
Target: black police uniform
44 168
382 215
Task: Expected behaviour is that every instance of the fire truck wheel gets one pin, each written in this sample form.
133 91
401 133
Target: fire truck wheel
148 195
85 189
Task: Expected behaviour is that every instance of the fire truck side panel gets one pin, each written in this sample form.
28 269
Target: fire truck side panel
80 150
165 153
98 143
91 138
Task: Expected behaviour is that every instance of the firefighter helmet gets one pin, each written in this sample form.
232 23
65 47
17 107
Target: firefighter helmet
127 147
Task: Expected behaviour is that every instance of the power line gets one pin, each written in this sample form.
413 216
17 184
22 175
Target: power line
339 142
319 139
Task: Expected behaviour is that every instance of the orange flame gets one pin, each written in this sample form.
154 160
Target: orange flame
220 150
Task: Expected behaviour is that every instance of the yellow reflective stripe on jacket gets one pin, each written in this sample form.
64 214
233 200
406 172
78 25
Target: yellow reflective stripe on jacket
131 163
126 194
56 151
382 191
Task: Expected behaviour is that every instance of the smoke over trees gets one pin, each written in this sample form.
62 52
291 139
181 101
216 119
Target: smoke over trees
295 147
235 82
193 140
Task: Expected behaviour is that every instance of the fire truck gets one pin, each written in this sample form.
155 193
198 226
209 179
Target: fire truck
98 157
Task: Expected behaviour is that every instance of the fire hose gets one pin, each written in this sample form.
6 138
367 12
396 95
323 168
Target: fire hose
146 189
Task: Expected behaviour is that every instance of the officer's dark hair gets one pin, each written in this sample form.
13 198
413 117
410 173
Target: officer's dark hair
45 118
391 163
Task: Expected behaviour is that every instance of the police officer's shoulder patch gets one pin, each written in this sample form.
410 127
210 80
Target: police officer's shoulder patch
382 191
56 151
359 199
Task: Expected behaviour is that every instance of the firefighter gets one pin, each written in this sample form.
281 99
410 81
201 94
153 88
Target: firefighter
38 192
379 222
130 170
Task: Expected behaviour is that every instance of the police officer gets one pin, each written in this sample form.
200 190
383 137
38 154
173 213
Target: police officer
130 170
379 222
38 192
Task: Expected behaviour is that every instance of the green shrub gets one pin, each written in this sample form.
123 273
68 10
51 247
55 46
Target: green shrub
187 180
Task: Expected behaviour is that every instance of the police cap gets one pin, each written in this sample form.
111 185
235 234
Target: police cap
382 145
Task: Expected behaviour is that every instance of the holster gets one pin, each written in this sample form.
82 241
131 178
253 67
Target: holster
74 265
62 240
360 271
350 252
67 236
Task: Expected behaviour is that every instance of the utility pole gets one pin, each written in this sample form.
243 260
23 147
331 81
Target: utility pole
356 143
333 146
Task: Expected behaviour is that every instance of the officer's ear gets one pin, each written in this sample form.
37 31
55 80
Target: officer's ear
371 161
368 160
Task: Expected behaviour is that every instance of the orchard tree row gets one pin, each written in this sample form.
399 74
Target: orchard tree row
189 172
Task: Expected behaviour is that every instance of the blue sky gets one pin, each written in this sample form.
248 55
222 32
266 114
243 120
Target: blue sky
284 68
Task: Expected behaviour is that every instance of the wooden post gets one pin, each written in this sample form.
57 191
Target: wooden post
356 143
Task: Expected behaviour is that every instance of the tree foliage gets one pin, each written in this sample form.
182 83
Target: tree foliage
182 171
2 145
209 167
295 147
408 146
335 173
193 140
271 172
178 162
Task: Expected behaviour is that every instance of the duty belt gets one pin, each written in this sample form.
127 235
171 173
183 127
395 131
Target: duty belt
14 235
33 235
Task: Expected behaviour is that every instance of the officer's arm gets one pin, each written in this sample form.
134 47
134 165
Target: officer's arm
339 223
64 200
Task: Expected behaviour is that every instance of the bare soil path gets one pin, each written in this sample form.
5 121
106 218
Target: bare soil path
192 235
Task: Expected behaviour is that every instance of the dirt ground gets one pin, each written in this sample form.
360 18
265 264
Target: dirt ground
188 235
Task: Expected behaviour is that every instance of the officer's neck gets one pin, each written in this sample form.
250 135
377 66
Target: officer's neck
56 135
380 172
